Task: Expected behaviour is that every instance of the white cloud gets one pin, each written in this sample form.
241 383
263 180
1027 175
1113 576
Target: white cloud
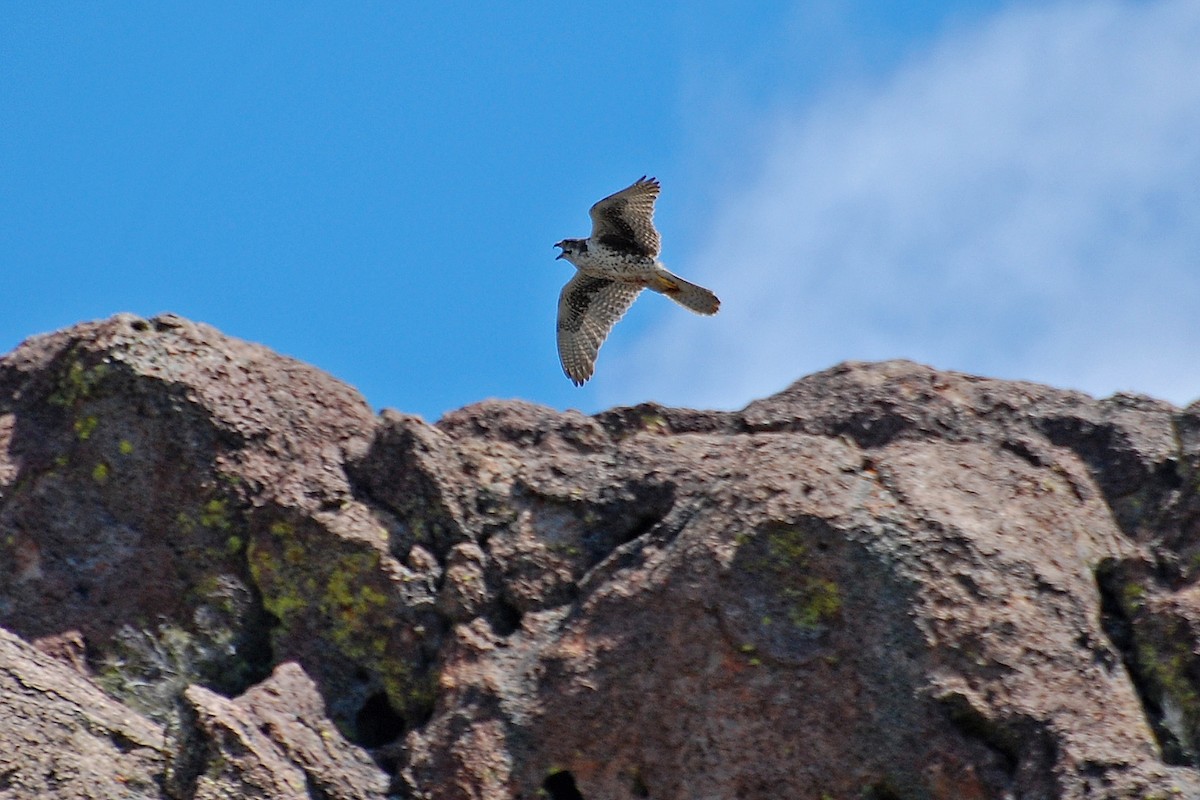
1021 200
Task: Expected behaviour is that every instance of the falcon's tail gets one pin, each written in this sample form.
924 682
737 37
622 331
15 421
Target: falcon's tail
689 295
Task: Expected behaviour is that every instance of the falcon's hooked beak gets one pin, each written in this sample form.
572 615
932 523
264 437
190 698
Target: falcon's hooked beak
564 250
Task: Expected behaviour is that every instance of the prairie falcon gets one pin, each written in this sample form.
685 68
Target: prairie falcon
613 265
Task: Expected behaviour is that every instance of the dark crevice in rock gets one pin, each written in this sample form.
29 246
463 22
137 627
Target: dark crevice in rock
1025 749
637 510
881 791
874 426
1098 446
315 790
644 523
398 474
192 753
627 556
1137 472
389 759
1117 592
1167 474
377 723
1023 450
122 742
1113 620
252 657
972 722
630 554
561 786
622 422
505 618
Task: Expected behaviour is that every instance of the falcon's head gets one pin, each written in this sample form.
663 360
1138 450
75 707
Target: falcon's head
571 247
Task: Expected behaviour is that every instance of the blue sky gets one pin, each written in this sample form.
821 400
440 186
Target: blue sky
1005 188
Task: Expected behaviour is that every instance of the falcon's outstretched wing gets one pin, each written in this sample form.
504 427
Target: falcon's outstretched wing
587 309
625 220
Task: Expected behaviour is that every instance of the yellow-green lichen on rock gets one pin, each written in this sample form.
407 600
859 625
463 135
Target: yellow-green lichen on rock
215 515
344 593
77 383
1164 658
810 600
785 598
100 472
85 427
813 603
1167 662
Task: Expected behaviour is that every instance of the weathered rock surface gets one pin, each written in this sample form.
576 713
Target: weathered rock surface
232 579
61 736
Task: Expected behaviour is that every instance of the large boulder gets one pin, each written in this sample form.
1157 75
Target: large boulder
885 581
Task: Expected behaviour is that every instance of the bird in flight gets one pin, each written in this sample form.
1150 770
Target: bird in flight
612 266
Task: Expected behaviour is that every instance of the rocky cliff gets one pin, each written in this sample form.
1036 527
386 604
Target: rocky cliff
223 576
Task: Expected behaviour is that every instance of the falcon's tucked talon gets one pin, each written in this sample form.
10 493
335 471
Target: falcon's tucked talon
613 266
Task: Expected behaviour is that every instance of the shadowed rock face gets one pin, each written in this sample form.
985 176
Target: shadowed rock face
222 575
